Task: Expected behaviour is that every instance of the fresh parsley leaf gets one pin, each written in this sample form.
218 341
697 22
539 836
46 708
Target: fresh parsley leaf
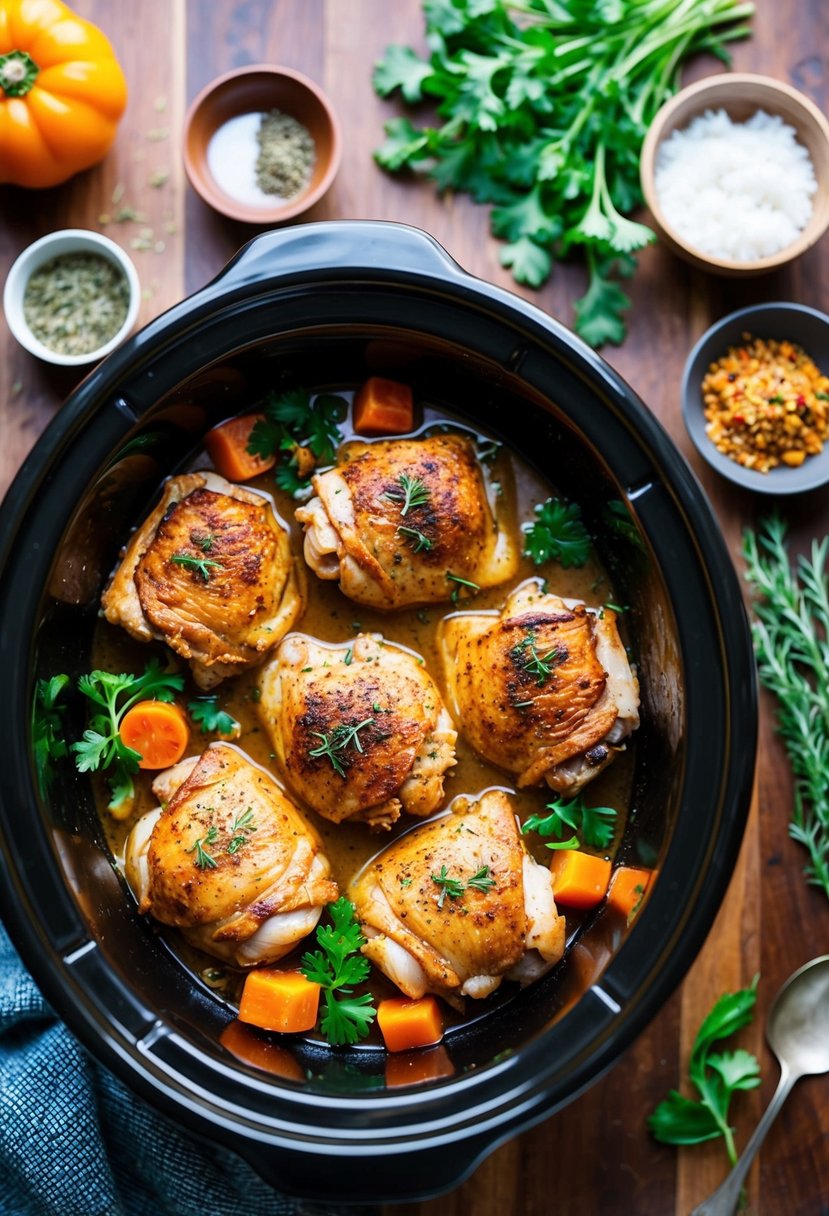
596 825
199 565
401 69
599 312
338 966
48 728
529 262
715 1076
296 424
405 145
205 713
557 534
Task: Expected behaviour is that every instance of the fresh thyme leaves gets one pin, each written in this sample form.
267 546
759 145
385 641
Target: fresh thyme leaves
199 565
338 966
557 534
716 1077
203 540
240 832
415 539
481 880
543 108
101 746
205 713
303 431
791 641
460 582
335 742
596 825
205 860
47 728
525 655
410 492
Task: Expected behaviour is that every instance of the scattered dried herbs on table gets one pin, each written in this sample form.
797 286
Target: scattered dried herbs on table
76 302
286 155
542 109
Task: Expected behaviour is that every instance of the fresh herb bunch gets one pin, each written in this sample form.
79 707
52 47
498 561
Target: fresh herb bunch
101 746
543 108
557 534
715 1076
338 966
205 713
48 727
596 825
791 641
304 430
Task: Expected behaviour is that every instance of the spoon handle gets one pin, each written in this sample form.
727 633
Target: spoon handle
724 1200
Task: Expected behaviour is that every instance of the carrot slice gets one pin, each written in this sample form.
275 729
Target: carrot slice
157 730
404 1023
227 447
417 1067
383 407
627 889
250 1047
580 880
279 1000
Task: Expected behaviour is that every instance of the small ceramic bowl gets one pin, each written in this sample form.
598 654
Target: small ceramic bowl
741 96
53 245
225 178
795 322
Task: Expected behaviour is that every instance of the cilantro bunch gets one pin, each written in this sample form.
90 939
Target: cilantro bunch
543 106
337 966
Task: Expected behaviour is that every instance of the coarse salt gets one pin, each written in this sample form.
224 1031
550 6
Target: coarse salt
736 191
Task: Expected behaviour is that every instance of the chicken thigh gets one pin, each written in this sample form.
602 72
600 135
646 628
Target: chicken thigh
210 572
406 521
229 860
544 689
359 729
457 905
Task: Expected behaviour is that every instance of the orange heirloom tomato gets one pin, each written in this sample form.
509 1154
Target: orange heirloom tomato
62 93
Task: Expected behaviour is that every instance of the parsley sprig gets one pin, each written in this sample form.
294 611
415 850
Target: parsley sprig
336 741
205 713
595 825
48 728
557 534
716 1076
298 428
101 746
338 966
543 108
199 565
454 888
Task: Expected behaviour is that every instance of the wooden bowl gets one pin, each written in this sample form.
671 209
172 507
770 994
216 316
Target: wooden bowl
250 91
741 96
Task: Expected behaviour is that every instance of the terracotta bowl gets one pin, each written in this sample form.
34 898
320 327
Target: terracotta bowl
741 96
254 90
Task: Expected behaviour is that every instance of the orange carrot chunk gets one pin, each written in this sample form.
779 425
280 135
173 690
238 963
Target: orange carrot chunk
227 447
383 407
405 1024
250 1047
417 1067
580 880
157 730
279 1000
627 888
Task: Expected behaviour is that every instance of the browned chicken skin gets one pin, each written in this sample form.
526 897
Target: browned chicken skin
498 921
544 690
388 551
210 572
229 860
376 705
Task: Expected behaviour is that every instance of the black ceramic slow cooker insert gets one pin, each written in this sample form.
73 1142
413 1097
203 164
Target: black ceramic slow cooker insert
334 303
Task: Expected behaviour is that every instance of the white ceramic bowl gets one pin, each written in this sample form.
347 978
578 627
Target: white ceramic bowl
68 240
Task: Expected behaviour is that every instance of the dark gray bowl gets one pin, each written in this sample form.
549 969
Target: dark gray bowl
795 322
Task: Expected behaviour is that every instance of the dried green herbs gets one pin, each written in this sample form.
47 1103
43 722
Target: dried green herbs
286 155
76 302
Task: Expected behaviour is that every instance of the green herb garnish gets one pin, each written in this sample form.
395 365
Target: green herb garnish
525 654
461 582
596 825
557 534
455 887
205 860
205 713
199 565
337 966
716 1077
101 746
292 421
415 539
410 492
242 827
48 727
337 741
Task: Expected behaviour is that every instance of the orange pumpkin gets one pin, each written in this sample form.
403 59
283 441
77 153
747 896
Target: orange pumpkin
62 93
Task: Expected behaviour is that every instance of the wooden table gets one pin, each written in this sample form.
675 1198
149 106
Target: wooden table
596 1157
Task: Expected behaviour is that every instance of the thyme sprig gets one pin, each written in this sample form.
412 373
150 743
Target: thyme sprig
415 539
525 654
205 860
337 740
791 642
410 492
454 888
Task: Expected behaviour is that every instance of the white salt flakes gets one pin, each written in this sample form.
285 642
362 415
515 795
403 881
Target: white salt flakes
739 191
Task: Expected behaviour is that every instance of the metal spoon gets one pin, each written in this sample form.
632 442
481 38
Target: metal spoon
798 1034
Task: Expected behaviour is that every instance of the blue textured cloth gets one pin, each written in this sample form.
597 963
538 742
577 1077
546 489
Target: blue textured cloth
75 1142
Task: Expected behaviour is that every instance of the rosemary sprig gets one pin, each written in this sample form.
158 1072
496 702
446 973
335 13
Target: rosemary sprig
205 860
791 642
460 582
415 539
240 833
409 492
200 565
337 741
525 654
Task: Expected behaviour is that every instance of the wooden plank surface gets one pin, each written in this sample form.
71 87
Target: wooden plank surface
595 1157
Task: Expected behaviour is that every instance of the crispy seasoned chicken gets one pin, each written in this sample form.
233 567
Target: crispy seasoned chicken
359 729
209 572
395 519
457 905
544 690
229 860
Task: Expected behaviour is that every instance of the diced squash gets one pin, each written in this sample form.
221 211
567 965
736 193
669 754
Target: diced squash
405 1024
383 407
627 888
580 880
227 447
279 1000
